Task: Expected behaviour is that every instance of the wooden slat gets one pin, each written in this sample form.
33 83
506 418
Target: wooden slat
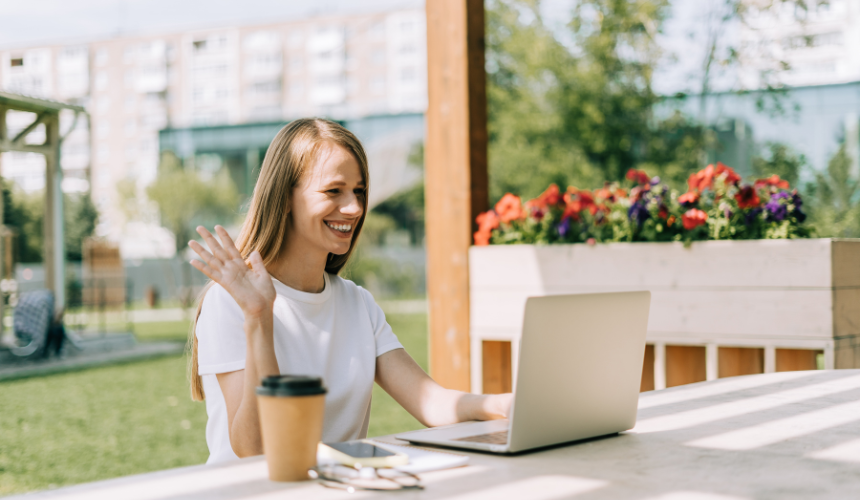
710 264
775 313
684 365
455 176
647 383
789 360
735 361
496 367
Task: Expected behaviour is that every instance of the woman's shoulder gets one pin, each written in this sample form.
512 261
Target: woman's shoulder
216 300
348 289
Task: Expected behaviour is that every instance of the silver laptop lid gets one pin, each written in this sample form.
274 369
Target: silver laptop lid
580 367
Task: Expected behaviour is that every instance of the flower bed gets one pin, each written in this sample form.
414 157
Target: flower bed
717 206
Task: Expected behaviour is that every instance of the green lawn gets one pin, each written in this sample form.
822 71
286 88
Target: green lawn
126 419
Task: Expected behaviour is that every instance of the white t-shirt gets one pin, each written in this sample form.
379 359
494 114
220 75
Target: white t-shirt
336 334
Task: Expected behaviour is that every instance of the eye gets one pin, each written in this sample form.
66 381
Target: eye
333 191
361 191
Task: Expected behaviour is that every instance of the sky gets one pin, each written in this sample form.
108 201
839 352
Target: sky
33 22
44 21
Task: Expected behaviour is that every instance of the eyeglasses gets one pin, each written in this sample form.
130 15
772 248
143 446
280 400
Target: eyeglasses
365 478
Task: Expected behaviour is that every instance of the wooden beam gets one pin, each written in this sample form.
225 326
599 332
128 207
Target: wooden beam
455 176
55 250
19 139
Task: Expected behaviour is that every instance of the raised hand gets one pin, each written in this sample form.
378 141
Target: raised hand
251 287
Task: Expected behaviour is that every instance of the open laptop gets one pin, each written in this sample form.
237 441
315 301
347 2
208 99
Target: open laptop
580 366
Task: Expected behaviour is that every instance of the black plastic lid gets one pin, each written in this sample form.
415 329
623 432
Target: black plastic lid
291 385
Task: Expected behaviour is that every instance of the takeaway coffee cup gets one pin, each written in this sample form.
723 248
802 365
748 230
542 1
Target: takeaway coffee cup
291 419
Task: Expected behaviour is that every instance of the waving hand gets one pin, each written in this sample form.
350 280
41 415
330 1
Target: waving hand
250 286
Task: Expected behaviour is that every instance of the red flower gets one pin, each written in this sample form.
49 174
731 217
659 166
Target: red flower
671 220
620 193
638 176
701 180
693 218
487 221
551 196
773 180
510 208
747 197
604 194
576 201
663 212
689 198
730 176
539 206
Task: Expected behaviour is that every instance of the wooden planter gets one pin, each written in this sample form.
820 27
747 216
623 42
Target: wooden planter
718 308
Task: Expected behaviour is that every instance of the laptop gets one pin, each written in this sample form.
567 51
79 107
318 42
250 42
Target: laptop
579 373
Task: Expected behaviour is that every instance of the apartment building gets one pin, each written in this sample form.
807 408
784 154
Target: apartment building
818 43
134 86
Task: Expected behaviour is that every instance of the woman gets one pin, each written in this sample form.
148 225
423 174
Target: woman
277 305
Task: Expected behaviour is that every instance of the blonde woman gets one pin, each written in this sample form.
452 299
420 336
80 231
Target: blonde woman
277 305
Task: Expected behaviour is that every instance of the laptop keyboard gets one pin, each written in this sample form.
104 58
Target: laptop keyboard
500 437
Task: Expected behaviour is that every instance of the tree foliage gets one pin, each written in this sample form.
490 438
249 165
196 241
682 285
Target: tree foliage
24 213
186 199
580 113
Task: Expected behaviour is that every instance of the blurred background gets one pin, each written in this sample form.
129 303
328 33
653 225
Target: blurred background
183 97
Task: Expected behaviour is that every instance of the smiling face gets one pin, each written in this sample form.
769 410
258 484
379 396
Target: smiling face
327 203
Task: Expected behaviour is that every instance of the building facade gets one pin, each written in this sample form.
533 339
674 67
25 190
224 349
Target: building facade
819 43
344 68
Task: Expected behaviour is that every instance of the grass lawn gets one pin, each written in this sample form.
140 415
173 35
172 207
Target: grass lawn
127 419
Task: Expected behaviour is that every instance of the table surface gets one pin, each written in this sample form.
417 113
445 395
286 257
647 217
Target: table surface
779 435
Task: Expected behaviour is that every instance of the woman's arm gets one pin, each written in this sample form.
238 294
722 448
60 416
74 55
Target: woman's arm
253 290
429 402
239 387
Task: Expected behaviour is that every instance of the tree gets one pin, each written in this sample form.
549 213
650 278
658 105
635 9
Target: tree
582 113
186 199
834 208
25 212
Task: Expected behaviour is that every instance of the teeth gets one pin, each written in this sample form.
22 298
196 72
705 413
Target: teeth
343 228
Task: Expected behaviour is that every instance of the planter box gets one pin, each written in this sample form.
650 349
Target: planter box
763 294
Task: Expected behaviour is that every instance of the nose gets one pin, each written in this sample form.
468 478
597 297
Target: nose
353 208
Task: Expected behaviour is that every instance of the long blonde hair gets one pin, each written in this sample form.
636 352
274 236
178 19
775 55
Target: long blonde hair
290 155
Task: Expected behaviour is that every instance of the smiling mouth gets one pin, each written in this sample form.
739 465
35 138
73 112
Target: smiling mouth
341 228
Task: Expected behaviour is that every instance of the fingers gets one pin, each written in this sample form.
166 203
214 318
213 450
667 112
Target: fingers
203 268
229 246
257 262
202 252
214 246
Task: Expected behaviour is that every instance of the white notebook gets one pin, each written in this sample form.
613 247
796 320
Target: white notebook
421 460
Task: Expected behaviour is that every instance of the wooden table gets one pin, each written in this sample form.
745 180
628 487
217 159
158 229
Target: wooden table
779 435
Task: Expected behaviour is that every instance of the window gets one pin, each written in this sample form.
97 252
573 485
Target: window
130 103
101 57
128 78
408 75
199 45
101 80
130 127
103 129
378 56
377 84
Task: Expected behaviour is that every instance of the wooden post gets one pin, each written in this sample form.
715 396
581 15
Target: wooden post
455 176
54 258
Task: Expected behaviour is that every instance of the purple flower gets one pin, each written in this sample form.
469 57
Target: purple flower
800 216
727 213
751 215
564 227
796 201
777 211
655 180
638 213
